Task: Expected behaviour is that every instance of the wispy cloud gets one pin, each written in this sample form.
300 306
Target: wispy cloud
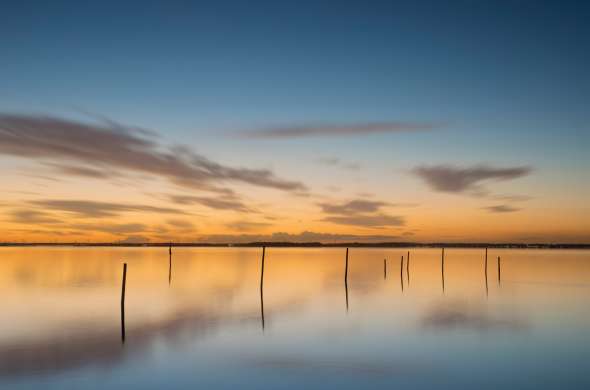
501 208
93 209
114 228
453 179
339 163
27 216
83 148
339 130
360 212
241 226
227 202
353 206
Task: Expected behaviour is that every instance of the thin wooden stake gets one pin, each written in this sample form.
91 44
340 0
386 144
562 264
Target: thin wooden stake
408 268
498 270
170 264
123 303
346 267
384 269
443 269
346 280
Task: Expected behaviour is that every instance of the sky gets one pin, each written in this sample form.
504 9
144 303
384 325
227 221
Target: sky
234 121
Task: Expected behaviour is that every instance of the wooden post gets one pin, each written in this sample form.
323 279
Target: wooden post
486 271
123 303
124 283
408 268
346 267
346 280
498 270
442 269
384 269
262 268
170 264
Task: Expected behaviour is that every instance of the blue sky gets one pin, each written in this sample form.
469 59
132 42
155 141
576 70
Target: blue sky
505 82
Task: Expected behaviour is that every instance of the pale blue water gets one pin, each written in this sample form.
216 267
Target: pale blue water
61 325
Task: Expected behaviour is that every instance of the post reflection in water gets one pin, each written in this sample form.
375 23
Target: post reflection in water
408 268
262 289
401 272
346 279
442 269
124 281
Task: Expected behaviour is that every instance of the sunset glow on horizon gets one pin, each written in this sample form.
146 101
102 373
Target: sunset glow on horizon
365 123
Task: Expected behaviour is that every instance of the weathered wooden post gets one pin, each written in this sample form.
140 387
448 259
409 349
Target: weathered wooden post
123 302
170 264
262 288
346 279
498 270
346 268
408 268
442 269
486 271
384 269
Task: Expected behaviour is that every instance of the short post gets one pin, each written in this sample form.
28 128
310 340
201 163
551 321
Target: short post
170 264
346 280
408 267
498 269
384 268
262 268
123 303
346 268
123 284
442 269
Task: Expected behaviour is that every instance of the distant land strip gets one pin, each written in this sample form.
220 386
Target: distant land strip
311 245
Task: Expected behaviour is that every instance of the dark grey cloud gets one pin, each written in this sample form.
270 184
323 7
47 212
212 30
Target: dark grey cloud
93 209
339 130
115 148
182 224
247 225
447 178
360 212
225 202
80 170
461 316
353 206
501 208
123 228
513 198
28 216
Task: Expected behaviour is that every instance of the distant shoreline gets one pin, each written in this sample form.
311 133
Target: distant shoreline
311 245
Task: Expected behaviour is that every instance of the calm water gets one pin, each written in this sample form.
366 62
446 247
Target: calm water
200 323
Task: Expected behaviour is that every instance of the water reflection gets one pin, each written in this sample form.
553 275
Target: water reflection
62 317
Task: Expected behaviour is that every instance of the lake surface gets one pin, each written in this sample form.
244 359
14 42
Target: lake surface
202 324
